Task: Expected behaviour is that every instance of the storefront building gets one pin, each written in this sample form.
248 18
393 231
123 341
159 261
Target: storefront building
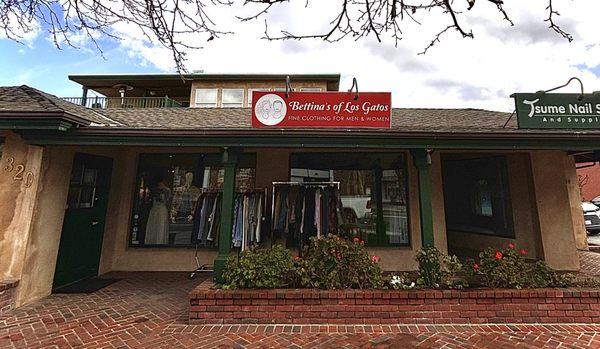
168 174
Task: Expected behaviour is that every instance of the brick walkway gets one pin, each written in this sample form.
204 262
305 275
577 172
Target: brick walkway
590 262
149 310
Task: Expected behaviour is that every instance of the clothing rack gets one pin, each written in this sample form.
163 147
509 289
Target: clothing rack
209 267
336 184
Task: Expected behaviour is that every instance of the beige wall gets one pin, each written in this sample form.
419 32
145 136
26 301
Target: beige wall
251 85
579 230
17 202
554 209
42 248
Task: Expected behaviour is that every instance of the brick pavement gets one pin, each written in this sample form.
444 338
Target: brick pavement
590 262
149 310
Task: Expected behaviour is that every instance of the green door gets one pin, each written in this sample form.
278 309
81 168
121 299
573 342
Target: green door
85 213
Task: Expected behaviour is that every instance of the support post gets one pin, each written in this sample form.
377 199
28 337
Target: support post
229 162
422 162
84 94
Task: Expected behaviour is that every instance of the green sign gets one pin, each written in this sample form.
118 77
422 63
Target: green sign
558 110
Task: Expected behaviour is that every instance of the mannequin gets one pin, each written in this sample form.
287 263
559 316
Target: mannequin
157 228
184 199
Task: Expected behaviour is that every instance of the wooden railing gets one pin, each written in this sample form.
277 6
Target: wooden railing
125 102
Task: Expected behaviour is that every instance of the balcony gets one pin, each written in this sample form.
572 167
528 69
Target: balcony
125 102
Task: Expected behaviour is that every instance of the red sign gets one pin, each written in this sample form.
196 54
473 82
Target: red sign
321 109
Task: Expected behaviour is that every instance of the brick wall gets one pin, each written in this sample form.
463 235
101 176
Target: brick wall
307 306
7 294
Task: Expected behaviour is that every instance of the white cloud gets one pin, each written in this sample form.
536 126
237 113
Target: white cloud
477 73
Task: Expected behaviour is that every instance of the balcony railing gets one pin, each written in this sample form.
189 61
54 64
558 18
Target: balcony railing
125 102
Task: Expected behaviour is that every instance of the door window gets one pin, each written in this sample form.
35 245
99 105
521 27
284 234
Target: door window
82 189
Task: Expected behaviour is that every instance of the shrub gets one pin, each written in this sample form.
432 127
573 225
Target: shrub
268 268
507 268
401 282
332 263
437 269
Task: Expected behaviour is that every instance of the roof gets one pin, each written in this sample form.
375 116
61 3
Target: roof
17 101
403 119
28 104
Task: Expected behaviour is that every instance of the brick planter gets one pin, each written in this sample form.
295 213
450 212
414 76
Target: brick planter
308 306
7 294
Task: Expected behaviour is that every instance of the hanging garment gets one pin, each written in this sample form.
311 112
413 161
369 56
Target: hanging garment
238 226
157 227
213 217
259 213
317 220
325 212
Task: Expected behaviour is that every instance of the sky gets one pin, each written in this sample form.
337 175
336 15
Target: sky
455 73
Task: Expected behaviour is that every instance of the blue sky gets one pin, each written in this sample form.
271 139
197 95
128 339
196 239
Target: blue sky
39 64
478 73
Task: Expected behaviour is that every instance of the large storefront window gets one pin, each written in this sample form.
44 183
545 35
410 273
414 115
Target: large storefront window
167 190
476 195
372 192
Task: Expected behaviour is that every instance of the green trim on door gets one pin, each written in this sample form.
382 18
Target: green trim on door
85 213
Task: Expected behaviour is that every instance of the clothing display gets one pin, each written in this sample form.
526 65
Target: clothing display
247 218
157 228
304 210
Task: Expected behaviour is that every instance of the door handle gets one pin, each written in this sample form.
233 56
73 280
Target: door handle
95 223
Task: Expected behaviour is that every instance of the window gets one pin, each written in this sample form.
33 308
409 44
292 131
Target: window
476 195
206 97
251 91
168 186
232 97
373 192
82 188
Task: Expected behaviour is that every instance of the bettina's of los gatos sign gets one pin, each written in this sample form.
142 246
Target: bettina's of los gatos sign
558 110
321 110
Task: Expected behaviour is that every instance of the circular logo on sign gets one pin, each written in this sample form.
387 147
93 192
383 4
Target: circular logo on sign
270 109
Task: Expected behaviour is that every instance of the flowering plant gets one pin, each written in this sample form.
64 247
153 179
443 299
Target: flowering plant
437 269
401 282
331 262
508 268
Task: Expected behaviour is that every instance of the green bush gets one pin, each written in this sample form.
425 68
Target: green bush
436 269
508 268
332 263
268 268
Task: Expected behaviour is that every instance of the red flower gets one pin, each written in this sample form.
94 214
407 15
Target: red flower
297 258
523 252
511 246
475 266
356 239
362 242
498 255
375 259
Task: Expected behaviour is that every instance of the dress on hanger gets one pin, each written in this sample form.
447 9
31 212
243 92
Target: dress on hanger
157 228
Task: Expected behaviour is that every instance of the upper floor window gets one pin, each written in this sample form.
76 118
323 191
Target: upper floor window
206 97
232 97
251 92
310 89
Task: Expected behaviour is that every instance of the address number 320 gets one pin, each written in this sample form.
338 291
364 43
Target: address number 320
19 172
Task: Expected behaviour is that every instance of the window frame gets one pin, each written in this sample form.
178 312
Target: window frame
198 104
248 161
233 105
477 222
378 192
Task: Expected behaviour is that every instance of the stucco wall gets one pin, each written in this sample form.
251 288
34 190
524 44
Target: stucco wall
42 247
17 202
579 230
554 209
